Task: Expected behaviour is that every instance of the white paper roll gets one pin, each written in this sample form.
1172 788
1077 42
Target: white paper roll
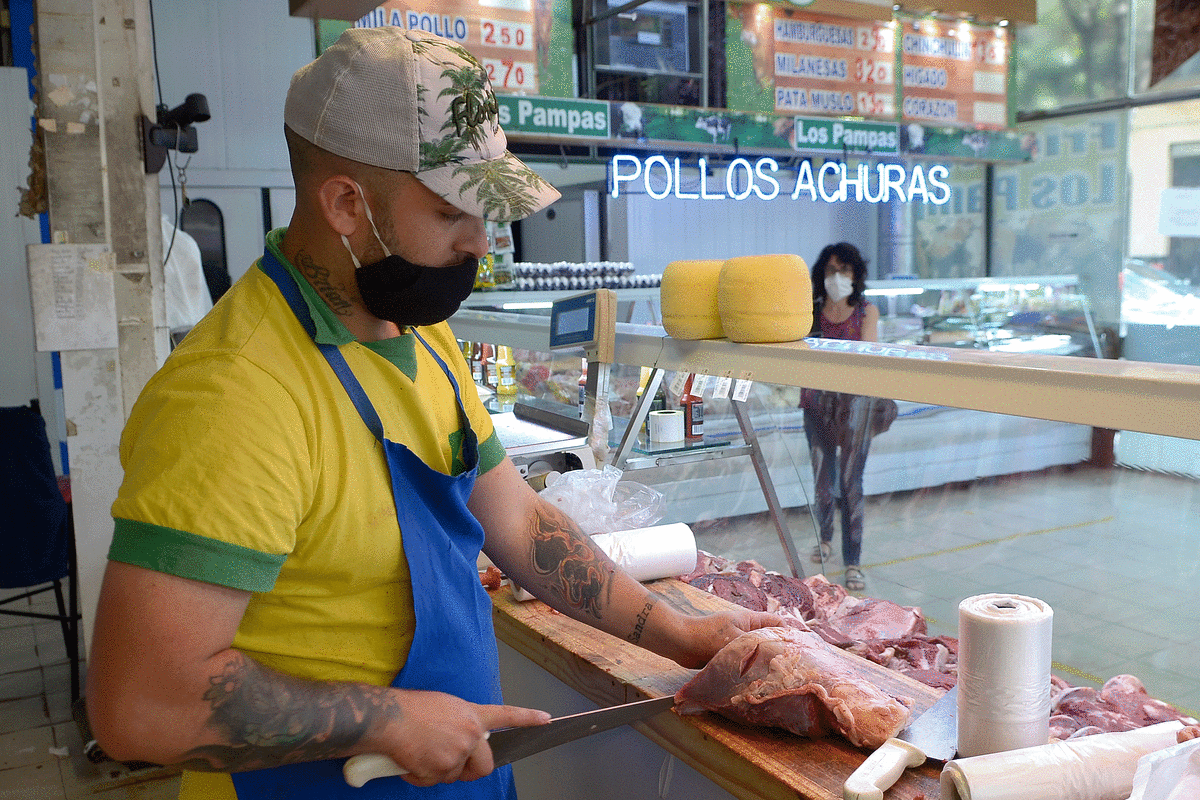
666 426
1004 643
1097 767
647 554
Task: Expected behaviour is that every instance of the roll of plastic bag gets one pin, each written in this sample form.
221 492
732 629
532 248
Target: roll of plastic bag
648 554
1004 643
1098 767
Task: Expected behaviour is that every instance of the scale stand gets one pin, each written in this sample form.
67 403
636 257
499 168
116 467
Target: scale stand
589 320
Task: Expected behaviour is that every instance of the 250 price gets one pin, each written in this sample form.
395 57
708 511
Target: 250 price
505 73
875 40
498 33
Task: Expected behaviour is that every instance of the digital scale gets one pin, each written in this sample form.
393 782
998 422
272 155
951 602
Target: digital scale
587 320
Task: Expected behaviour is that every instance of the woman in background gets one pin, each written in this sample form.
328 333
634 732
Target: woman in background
838 426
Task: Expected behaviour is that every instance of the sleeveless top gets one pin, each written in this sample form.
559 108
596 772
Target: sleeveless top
850 328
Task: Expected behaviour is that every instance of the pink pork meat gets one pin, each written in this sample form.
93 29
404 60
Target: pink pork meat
792 679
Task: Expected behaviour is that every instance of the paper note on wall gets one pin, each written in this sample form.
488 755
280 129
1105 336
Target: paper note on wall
74 307
1179 214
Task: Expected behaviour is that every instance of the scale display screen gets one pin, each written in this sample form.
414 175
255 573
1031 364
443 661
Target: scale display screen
573 321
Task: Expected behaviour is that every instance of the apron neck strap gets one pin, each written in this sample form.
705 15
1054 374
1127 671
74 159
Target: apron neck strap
295 300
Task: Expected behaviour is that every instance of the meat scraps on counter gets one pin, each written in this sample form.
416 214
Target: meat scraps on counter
896 637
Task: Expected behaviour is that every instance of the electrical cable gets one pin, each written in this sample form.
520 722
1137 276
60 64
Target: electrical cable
160 105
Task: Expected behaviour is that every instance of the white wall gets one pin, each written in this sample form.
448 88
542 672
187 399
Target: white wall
241 57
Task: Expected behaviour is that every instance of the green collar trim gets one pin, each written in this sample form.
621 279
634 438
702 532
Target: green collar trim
399 350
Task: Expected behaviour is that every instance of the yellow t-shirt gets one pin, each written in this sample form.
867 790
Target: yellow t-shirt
246 465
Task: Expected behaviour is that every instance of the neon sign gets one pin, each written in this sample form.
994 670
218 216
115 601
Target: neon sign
832 182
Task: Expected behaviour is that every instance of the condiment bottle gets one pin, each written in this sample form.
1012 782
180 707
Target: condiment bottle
693 412
582 386
506 369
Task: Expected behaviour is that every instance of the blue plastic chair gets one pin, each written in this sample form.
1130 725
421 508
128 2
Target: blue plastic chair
36 527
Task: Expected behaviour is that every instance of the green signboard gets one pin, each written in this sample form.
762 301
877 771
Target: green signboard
846 136
554 116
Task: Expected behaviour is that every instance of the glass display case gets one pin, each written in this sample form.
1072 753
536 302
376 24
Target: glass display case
1034 314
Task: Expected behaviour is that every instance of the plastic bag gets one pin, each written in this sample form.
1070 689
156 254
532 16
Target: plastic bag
1170 774
600 502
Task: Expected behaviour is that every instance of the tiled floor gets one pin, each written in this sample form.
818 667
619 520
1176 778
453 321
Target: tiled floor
1116 553
41 748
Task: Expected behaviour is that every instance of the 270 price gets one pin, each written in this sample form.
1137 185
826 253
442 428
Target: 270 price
505 73
498 33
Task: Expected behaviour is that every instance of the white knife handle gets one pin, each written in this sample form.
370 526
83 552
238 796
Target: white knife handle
882 769
363 767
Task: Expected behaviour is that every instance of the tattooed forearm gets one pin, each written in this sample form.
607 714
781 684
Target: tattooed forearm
642 616
266 718
574 568
318 276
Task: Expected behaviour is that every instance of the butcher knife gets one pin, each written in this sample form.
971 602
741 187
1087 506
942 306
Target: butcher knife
933 735
511 744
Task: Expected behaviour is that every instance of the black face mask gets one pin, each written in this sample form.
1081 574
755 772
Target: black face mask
409 294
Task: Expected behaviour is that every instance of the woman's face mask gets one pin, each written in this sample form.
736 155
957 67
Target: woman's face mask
838 285
408 294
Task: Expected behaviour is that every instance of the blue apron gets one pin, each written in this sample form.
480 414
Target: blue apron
454 646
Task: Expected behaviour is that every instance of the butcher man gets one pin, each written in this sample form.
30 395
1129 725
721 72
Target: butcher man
310 477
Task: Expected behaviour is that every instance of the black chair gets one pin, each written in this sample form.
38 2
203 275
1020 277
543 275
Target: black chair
36 527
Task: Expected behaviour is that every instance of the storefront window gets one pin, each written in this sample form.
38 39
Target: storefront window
1075 54
948 240
1064 212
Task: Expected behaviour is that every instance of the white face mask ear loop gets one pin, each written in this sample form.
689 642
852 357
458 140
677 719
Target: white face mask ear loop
353 257
371 219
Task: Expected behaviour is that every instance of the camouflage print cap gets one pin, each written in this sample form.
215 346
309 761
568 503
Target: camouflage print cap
408 100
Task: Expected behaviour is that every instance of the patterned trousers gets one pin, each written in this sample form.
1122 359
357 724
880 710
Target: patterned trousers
839 436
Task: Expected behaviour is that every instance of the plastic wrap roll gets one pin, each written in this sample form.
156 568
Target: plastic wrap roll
1097 767
1003 673
660 551
666 426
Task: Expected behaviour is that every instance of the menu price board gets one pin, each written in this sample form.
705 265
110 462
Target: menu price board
511 38
954 74
832 65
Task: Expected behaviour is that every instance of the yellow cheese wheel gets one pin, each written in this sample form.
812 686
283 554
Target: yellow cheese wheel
765 298
688 299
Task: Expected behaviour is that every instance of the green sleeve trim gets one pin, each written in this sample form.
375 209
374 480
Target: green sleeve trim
491 453
188 555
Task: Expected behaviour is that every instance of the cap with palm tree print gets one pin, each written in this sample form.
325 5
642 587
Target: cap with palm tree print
409 100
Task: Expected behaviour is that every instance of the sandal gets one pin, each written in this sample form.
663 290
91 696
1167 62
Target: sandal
854 579
821 553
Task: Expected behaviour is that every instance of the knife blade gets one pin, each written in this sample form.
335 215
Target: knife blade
932 735
512 744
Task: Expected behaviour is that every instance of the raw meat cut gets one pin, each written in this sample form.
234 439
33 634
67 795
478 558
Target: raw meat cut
792 679
1121 704
735 588
896 637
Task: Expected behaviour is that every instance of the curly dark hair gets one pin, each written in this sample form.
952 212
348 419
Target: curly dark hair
847 254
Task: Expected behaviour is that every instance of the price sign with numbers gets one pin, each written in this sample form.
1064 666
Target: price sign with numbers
832 65
954 73
511 38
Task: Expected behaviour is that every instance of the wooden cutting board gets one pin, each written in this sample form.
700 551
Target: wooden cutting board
749 762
